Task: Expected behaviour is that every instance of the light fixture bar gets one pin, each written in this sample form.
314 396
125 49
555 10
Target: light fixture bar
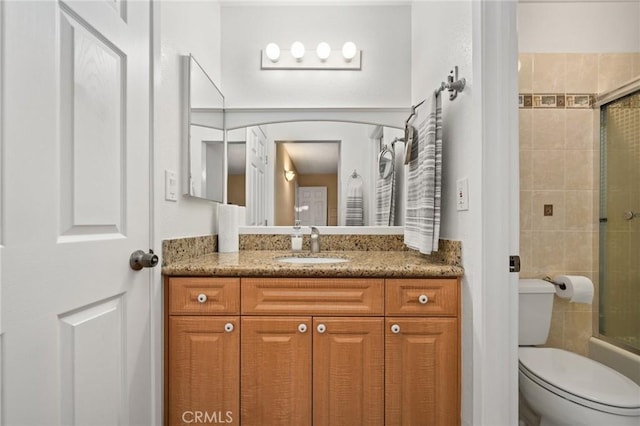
310 61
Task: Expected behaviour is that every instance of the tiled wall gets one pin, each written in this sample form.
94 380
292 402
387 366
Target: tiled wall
558 154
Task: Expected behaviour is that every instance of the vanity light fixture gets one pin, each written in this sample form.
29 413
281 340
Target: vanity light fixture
289 175
297 51
323 51
324 59
273 52
349 51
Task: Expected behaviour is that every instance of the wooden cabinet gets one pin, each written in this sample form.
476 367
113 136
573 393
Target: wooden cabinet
202 350
348 371
421 372
204 369
422 352
313 351
276 371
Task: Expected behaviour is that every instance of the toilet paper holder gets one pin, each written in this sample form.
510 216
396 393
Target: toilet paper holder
562 286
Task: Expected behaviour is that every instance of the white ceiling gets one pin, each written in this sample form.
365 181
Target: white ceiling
314 157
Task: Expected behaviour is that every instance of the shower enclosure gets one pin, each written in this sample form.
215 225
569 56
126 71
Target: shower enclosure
618 320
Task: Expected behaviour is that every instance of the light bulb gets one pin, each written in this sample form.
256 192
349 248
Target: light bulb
273 52
297 50
349 51
323 51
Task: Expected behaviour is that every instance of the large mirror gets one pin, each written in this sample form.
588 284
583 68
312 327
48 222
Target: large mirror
204 134
323 173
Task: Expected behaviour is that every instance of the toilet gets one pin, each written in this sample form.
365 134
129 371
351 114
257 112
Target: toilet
561 387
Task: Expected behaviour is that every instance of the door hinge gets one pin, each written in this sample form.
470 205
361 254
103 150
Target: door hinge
514 263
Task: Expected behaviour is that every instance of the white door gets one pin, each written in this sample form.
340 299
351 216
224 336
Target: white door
312 202
256 178
75 316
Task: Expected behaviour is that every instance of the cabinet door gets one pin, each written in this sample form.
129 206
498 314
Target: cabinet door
204 370
276 371
422 376
348 371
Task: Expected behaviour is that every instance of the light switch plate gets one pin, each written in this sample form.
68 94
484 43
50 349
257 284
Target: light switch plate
462 194
170 185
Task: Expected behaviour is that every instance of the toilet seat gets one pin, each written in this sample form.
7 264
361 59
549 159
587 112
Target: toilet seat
581 380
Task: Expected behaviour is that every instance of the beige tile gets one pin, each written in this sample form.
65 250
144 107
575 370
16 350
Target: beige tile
636 64
525 210
617 247
556 331
547 252
548 170
614 69
526 170
559 304
579 129
525 128
577 331
595 259
548 128
525 72
617 205
581 73
578 169
539 221
549 72
526 255
577 251
578 211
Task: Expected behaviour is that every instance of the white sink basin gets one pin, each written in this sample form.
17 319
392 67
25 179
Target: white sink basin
311 260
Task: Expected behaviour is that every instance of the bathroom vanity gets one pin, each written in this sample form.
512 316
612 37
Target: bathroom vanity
252 340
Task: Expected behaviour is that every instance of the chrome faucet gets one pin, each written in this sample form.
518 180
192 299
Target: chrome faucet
315 240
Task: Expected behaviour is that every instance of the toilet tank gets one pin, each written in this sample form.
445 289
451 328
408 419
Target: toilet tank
535 307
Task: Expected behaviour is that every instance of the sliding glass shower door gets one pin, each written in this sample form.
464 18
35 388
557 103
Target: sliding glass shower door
619 305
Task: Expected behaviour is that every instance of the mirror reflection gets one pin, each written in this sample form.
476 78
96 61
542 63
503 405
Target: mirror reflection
324 173
205 134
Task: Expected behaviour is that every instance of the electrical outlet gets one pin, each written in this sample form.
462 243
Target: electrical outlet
462 194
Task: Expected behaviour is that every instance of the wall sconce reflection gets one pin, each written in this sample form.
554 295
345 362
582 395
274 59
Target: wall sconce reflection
289 175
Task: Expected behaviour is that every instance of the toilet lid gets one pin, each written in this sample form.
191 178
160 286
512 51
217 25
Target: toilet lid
581 377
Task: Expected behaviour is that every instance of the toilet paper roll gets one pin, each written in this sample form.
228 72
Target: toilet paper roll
578 289
227 228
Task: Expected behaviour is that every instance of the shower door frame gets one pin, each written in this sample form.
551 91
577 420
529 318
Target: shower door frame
602 99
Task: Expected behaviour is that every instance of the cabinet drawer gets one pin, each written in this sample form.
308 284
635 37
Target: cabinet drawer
210 296
437 297
308 296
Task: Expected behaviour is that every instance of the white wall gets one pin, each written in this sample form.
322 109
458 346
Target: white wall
202 38
179 28
579 27
432 62
382 32
479 143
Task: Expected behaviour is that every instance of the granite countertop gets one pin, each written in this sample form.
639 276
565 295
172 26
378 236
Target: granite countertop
264 263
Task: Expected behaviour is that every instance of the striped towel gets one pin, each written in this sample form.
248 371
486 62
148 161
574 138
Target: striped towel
385 206
422 222
355 203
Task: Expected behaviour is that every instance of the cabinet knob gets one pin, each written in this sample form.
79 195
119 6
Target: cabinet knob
202 298
302 328
423 299
395 329
321 328
228 327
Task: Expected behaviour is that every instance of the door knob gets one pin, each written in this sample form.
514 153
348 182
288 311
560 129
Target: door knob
140 259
